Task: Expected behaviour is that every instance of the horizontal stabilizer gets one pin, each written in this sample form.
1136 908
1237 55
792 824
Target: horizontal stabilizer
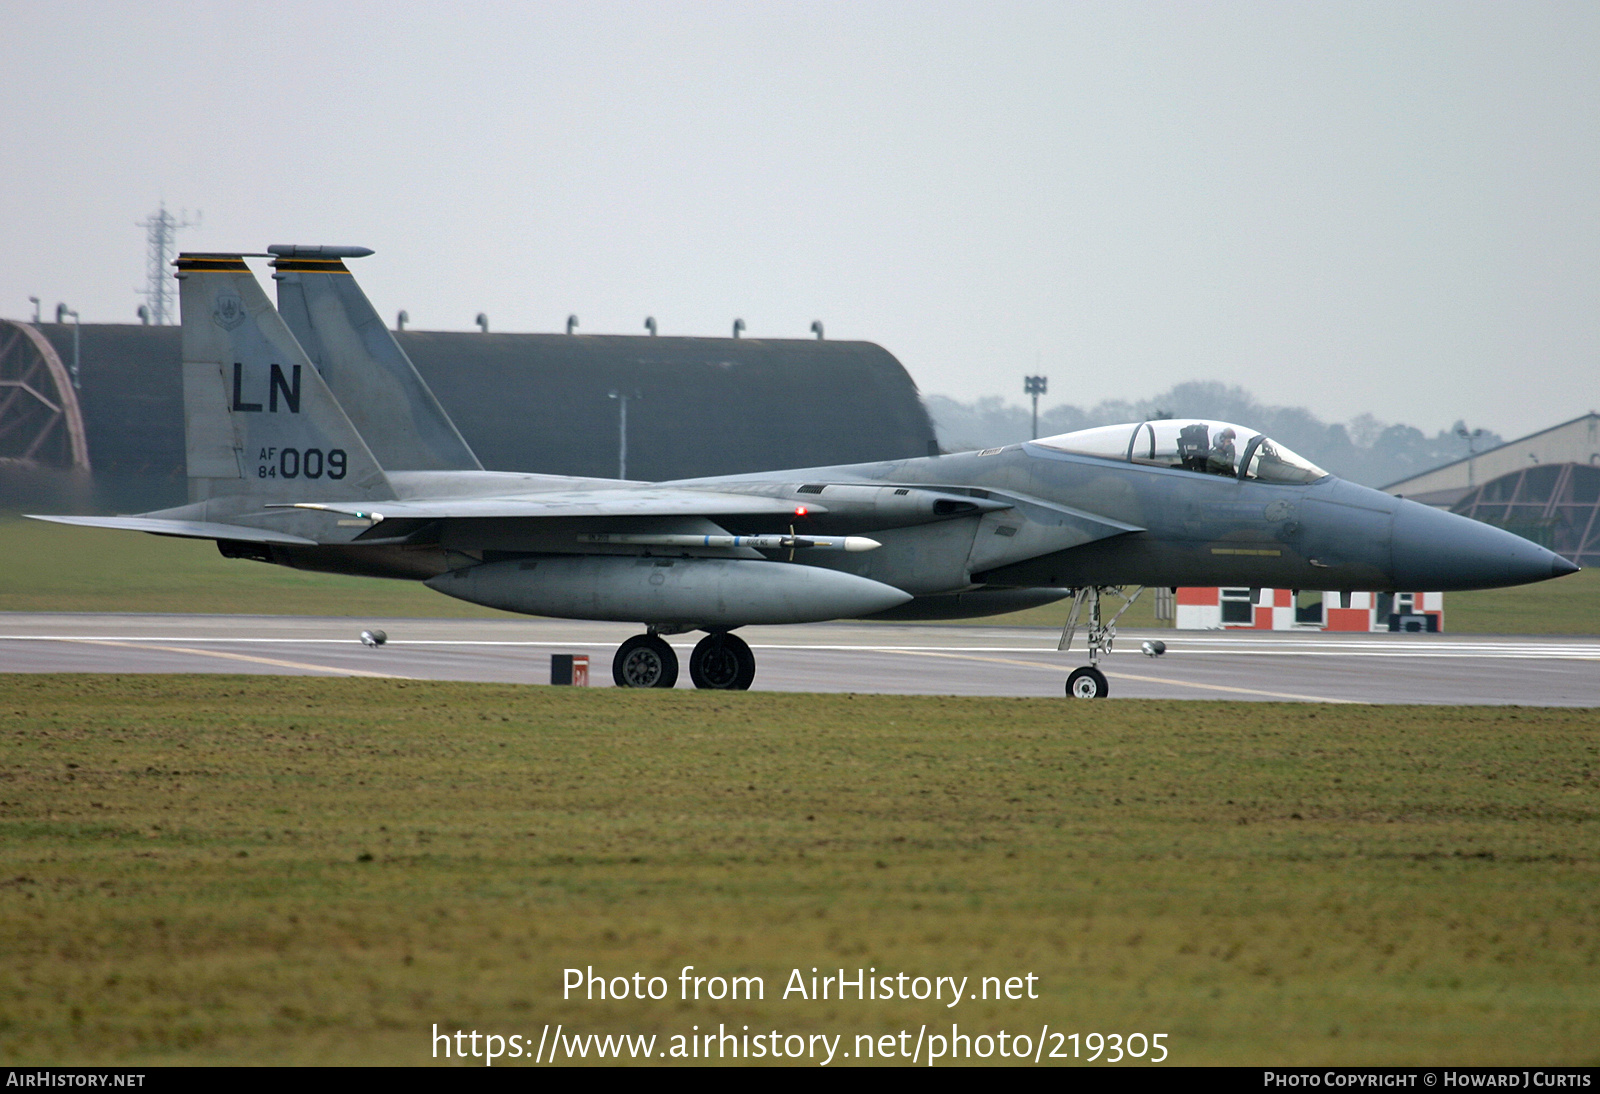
188 529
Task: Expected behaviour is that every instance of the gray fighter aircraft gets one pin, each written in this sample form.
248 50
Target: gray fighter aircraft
312 442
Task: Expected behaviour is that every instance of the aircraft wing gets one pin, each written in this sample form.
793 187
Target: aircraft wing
187 529
570 503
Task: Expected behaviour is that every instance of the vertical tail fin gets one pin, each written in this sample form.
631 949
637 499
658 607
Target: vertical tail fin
259 422
361 362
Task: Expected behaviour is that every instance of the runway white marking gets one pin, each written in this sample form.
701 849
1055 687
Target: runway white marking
1055 667
867 657
1454 648
275 663
1237 691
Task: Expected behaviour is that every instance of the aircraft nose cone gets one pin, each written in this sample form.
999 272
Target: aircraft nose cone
1435 550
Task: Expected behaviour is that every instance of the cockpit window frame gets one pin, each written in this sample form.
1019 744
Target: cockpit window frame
1144 436
1250 454
1133 441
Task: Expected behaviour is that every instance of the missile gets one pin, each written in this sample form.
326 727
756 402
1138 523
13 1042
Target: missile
760 543
682 591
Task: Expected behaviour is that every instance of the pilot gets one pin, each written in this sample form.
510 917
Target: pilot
1222 457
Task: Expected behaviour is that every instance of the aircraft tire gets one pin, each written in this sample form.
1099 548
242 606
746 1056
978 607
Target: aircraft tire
1087 683
724 662
644 661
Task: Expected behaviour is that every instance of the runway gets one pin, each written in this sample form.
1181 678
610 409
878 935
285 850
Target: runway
837 657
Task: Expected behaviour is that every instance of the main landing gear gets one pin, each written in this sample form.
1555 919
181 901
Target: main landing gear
645 661
1089 682
720 661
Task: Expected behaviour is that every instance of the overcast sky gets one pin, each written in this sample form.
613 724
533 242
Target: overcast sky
1385 207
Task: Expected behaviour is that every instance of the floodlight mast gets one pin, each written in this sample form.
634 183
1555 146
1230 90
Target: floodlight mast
1035 386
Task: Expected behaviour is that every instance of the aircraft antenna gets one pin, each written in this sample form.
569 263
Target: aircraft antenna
161 229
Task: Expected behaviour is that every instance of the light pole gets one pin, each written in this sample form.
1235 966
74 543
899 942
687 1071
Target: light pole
622 398
1035 386
62 311
1470 438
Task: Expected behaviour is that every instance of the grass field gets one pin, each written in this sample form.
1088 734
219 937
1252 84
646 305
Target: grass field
297 870
52 567
60 568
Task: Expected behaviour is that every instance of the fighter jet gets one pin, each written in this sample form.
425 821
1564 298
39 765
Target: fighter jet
312 442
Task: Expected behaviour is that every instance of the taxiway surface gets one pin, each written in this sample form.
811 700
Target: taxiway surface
857 657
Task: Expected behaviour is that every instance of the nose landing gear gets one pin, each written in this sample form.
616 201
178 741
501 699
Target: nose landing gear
1089 682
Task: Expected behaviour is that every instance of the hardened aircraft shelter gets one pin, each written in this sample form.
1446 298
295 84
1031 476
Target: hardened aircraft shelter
106 400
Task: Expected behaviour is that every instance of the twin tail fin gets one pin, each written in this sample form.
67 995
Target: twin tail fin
260 422
373 379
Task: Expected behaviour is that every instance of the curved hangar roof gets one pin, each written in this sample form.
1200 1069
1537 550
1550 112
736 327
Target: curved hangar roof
697 406
542 402
1557 505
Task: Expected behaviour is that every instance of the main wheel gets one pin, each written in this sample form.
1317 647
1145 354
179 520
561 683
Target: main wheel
722 661
1087 683
644 661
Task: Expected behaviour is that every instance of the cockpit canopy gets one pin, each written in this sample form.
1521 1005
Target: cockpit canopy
1190 444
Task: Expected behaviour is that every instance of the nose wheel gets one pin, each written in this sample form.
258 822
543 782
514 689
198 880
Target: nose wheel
1087 683
722 661
645 661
